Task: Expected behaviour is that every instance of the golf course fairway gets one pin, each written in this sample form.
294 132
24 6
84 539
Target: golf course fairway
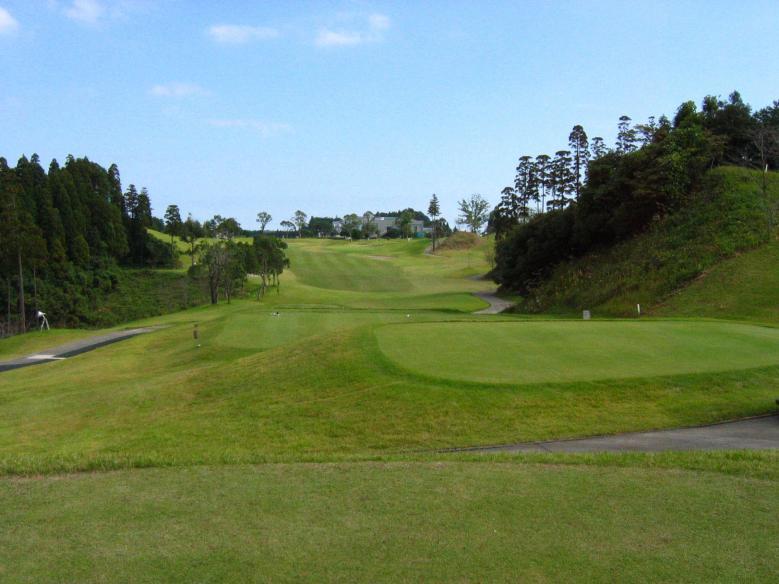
300 438
567 351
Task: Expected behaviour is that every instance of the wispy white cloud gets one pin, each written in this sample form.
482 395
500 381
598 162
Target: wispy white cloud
331 38
376 25
176 89
8 23
86 11
379 22
238 34
262 127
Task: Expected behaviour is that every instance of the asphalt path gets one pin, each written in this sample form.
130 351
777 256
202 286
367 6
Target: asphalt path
72 349
497 305
757 433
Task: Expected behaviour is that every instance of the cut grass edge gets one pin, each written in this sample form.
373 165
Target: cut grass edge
762 464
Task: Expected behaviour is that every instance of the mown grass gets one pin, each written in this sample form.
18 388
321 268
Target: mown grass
440 521
323 394
566 351
196 438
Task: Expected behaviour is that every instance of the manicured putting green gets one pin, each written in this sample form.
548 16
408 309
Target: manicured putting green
563 351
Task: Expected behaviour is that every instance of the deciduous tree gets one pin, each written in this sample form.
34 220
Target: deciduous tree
473 212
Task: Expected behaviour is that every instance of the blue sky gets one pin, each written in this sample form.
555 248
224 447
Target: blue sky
347 106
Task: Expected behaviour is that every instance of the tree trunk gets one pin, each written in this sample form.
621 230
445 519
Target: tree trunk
22 309
9 305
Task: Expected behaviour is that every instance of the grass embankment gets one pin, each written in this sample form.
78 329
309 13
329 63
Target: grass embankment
742 287
313 384
731 215
316 382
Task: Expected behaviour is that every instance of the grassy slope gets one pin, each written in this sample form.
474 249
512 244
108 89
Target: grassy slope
313 384
744 287
729 217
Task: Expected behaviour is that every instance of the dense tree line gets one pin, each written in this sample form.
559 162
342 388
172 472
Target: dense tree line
62 230
592 195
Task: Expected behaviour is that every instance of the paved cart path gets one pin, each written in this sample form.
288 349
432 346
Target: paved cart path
497 305
72 349
750 434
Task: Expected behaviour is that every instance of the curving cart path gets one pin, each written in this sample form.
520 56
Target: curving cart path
72 349
757 433
497 305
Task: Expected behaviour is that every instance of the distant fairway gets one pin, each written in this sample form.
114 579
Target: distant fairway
336 270
566 351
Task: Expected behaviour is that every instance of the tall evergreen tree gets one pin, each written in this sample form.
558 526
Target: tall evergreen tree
173 221
626 136
577 140
598 148
434 210
561 179
543 178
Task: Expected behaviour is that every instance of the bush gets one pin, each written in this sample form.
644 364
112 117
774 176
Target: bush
460 240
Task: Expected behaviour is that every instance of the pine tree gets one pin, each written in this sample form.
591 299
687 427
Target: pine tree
173 221
543 178
117 197
626 136
562 179
598 148
577 140
434 210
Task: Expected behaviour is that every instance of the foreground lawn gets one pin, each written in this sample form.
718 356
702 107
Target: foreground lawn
441 521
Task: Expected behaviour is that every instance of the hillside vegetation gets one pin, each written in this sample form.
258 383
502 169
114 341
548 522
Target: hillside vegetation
731 215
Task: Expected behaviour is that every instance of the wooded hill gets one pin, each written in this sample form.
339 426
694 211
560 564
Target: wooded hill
652 213
65 235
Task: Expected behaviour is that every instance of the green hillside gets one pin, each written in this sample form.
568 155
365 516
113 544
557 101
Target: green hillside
731 216
745 286
298 438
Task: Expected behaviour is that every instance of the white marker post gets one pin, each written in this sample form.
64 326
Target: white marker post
638 309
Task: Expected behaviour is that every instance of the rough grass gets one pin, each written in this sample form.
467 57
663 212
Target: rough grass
743 287
460 240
